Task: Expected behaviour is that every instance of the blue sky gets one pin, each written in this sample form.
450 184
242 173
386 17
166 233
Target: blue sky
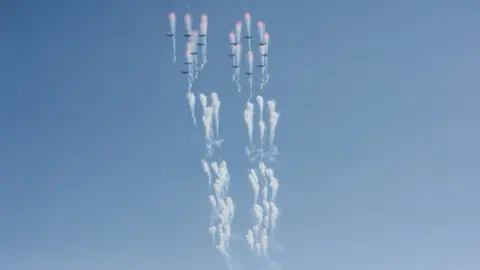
378 135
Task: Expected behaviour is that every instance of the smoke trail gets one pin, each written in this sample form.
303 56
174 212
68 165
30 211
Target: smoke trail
248 23
273 216
194 49
212 230
255 185
191 105
274 115
274 184
203 101
263 64
261 123
238 32
203 34
207 122
238 59
266 40
172 20
250 72
189 63
250 239
188 24
248 115
206 169
261 31
216 111
233 42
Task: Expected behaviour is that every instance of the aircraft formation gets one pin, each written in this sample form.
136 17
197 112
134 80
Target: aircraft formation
260 150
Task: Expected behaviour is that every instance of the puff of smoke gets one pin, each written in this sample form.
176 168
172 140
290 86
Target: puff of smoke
213 202
248 115
203 101
273 125
206 169
216 111
261 127
250 239
264 242
212 230
207 122
274 184
264 193
214 166
258 213
255 187
191 105
260 103
274 212
231 207
262 168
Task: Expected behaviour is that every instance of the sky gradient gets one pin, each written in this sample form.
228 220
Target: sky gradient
378 135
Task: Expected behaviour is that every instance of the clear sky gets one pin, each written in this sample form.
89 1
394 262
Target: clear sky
379 135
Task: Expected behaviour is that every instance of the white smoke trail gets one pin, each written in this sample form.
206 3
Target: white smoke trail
258 214
248 115
212 230
250 239
250 72
274 115
194 49
189 63
266 213
264 242
207 122
203 34
203 101
238 32
261 31
225 209
261 127
206 169
264 193
274 184
216 111
266 40
273 216
215 169
191 105
248 23
211 121
213 202
238 60
261 123
255 185
262 168
188 24
233 42
262 65
173 21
